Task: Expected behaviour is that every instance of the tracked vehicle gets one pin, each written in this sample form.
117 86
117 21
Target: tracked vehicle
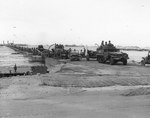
112 55
59 52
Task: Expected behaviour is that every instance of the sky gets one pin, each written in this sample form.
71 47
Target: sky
86 22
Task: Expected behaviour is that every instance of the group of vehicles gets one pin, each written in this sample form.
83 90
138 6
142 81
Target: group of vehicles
112 55
103 54
108 54
59 52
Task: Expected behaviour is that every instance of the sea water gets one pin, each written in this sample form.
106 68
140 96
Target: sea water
136 55
8 58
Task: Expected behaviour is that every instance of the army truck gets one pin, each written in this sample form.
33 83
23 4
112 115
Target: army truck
40 48
91 54
75 56
59 52
112 55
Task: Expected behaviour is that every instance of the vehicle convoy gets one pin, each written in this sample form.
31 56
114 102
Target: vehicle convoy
56 51
112 55
104 54
146 60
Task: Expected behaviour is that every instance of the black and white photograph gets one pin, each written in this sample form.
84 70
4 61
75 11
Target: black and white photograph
74 59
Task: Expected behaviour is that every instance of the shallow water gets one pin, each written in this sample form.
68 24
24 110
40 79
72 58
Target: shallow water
136 55
8 58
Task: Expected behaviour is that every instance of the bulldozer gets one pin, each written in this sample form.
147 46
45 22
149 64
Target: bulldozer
146 60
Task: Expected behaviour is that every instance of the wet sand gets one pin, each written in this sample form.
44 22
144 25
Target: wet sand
67 92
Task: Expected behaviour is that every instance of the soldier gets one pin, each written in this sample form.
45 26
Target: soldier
110 44
84 51
15 68
102 43
106 45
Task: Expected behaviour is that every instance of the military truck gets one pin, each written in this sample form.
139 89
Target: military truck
75 55
112 55
59 52
40 48
91 54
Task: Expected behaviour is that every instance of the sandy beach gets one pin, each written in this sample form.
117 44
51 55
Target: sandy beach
78 89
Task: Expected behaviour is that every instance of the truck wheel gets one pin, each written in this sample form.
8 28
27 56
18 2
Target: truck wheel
100 59
112 61
125 62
